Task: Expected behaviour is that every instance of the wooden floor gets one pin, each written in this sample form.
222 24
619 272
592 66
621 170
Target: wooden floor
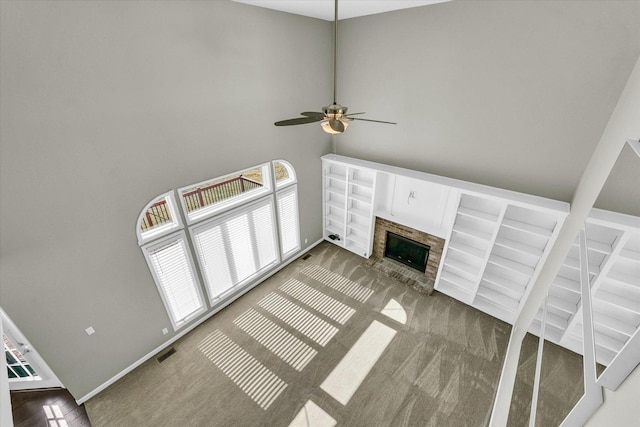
51 408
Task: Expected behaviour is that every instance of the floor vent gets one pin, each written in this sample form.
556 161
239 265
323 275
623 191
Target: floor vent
306 257
165 356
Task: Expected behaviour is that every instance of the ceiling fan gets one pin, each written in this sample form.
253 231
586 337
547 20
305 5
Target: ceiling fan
333 118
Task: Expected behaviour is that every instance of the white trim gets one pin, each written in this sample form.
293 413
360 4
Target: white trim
189 328
163 230
513 197
6 419
48 378
223 218
179 235
285 190
293 179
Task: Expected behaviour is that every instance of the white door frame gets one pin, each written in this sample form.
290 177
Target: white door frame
48 378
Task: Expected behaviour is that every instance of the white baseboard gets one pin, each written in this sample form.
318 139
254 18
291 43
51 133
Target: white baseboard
197 323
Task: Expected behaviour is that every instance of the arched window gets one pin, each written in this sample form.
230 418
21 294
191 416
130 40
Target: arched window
158 218
240 226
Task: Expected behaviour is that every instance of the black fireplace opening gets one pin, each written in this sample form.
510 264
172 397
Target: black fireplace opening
409 252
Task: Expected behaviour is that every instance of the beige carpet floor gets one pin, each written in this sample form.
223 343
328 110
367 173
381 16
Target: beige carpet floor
263 360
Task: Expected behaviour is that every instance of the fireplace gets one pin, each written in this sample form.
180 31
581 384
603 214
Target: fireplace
434 243
409 252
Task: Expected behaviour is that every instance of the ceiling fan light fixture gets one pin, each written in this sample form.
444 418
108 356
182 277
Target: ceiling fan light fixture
333 119
326 126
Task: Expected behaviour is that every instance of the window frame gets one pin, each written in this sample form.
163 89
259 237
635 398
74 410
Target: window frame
223 218
291 188
227 204
293 179
163 241
145 237
182 228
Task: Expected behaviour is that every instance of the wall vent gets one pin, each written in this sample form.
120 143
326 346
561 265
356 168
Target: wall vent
306 257
165 356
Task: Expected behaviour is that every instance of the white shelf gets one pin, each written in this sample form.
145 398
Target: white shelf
518 246
619 301
596 246
496 310
562 304
529 228
473 213
469 231
623 278
461 282
356 226
361 183
567 284
512 292
332 229
470 250
460 266
575 264
498 298
552 320
336 177
614 324
511 265
334 218
351 210
454 291
630 255
503 282
360 198
334 204
356 248
360 212
336 191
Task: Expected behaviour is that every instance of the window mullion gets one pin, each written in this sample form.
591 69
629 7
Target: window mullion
230 257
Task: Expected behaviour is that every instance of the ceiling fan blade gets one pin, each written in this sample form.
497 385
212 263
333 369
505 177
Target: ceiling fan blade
313 114
353 114
376 121
336 125
298 121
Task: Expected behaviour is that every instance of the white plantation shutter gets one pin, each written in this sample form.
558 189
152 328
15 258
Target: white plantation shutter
175 277
236 247
288 214
212 253
264 234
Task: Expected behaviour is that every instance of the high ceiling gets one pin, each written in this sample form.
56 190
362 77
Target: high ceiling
324 9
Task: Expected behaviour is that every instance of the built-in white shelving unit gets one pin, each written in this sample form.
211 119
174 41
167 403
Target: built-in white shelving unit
349 193
469 246
495 244
613 252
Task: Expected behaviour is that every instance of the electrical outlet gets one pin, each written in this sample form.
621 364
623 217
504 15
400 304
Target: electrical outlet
165 331
306 241
90 330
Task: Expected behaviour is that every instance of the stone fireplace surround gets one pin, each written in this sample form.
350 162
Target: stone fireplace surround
436 245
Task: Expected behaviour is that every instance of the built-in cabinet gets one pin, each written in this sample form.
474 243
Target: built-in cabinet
613 254
494 251
348 206
496 242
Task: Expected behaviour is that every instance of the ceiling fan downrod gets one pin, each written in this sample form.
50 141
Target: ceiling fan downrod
333 118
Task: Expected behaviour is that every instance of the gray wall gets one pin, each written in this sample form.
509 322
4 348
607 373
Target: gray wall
106 105
512 94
